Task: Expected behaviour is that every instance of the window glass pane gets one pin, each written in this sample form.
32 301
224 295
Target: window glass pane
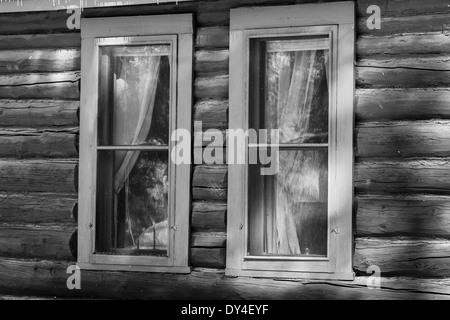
134 95
132 202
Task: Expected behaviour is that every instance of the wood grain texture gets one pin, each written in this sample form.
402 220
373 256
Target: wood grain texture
48 278
415 257
403 139
40 41
36 22
403 7
56 176
44 60
208 257
209 194
209 239
210 177
36 242
402 104
36 208
212 113
387 176
209 216
214 87
411 215
212 37
211 61
31 143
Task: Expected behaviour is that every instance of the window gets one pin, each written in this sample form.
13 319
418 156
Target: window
291 69
136 90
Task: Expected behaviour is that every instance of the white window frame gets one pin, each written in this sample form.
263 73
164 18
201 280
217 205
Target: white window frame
96 32
336 19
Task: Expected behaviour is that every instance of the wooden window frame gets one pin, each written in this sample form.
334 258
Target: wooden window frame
338 20
95 32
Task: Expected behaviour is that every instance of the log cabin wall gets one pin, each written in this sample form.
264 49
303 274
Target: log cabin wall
402 180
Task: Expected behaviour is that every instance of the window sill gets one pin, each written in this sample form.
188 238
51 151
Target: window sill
134 268
346 276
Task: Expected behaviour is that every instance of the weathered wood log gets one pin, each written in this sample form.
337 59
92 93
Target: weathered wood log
209 239
35 242
38 113
402 104
437 62
36 22
416 257
30 143
48 278
411 215
209 194
213 19
208 257
40 86
403 176
213 37
433 43
212 113
46 60
40 41
202 155
210 177
214 88
209 216
402 7
374 77
410 24
56 176
403 139
212 62
37 208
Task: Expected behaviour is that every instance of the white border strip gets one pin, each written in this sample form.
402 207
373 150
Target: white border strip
8 6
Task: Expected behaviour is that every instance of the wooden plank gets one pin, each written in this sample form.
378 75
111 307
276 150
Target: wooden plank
214 87
210 177
48 278
414 257
208 257
212 61
438 62
403 7
209 194
48 143
409 24
40 86
45 60
36 208
40 41
212 113
210 216
403 139
411 215
403 176
35 242
375 77
212 37
38 176
209 239
38 113
36 22
433 43
402 104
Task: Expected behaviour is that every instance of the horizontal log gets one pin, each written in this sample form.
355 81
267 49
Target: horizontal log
415 257
433 43
56 176
213 19
402 104
210 216
48 278
213 155
210 177
437 62
38 113
209 194
212 113
35 242
411 215
208 257
403 176
36 208
375 77
403 7
35 22
213 37
403 139
209 239
214 88
46 60
212 61
30 143
40 41
40 86
409 24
